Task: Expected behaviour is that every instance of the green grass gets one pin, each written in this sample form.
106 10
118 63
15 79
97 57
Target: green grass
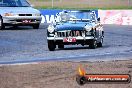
82 4
103 8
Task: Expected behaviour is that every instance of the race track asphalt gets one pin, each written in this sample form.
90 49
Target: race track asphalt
24 45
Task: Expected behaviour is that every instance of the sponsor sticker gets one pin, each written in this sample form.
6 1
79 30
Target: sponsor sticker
83 78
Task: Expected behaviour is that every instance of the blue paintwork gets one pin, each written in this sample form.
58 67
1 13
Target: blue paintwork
71 26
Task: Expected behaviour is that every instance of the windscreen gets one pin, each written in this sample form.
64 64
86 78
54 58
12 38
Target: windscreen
77 15
82 15
14 3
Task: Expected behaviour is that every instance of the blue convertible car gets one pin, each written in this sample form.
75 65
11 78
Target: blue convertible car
75 27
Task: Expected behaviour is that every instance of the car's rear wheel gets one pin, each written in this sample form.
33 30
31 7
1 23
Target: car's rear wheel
93 44
100 44
61 46
51 45
1 24
36 26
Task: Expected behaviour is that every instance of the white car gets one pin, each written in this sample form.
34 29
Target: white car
18 13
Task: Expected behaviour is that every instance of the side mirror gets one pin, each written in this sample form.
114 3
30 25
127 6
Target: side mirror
98 19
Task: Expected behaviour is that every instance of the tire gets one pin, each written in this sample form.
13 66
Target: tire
36 26
93 44
61 46
1 24
51 45
100 44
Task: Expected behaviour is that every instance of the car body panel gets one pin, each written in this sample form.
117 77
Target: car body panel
71 26
18 10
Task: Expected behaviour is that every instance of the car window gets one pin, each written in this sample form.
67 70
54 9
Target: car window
82 15
14 3
78 16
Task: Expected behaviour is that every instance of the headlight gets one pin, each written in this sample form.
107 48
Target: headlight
51 28
8 14
37 14
88 28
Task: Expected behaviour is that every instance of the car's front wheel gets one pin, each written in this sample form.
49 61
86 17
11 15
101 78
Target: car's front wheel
100 44
51 45
36 26
93 44
1 23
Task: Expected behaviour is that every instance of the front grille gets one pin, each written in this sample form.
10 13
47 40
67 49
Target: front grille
25 14
31 20
69 33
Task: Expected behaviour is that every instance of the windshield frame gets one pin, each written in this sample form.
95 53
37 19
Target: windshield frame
74 16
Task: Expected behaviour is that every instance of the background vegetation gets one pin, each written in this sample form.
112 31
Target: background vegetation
83 4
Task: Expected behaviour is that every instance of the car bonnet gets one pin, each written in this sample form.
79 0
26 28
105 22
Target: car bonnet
18 10
71 26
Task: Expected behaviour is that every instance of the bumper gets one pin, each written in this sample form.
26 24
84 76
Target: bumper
20 20
77 38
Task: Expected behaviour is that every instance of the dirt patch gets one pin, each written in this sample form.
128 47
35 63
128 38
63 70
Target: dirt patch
60 74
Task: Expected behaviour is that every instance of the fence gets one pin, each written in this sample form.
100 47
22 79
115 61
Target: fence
82 3
120 17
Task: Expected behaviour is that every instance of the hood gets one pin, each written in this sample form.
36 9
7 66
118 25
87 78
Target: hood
71 26
19 10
